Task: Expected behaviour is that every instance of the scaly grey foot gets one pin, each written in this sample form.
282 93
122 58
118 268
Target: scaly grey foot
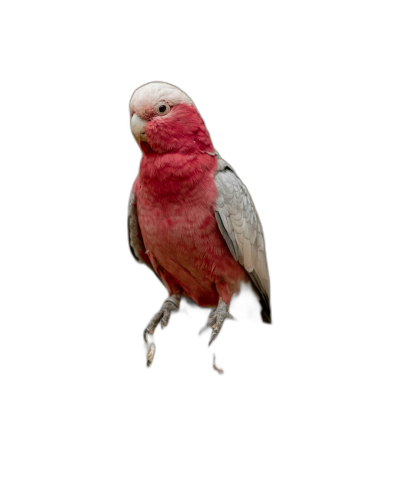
163 315
216 319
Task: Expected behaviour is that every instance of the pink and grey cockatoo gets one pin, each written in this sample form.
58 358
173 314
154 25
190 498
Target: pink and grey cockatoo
191 219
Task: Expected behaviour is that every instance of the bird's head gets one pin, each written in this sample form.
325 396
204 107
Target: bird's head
164 119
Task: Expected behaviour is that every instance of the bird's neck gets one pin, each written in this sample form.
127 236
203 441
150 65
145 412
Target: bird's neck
176 175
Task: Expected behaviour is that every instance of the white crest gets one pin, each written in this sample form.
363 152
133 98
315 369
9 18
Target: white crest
148 95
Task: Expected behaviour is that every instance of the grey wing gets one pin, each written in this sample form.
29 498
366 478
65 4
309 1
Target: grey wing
135 238
241 228
134 234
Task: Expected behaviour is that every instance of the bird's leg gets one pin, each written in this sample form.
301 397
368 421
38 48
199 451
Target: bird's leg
217 318
162 317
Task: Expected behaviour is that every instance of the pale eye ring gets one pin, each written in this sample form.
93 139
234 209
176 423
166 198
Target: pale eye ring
162 108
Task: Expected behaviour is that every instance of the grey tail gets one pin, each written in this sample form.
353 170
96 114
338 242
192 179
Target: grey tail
263 296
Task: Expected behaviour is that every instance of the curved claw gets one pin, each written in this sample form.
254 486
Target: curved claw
161 318
213 337
149 330
145 333
216 319
210 321
165 318
205 327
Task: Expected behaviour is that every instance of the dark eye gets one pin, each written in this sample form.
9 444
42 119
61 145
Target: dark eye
162 108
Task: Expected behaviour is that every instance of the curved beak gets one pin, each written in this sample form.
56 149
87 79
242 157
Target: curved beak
138 127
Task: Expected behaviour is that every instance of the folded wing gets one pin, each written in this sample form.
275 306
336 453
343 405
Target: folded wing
241 228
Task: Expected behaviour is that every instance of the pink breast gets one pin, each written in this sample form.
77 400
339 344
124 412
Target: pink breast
182 235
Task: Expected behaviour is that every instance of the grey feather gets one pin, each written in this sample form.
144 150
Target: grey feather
135 238
241 228
231 244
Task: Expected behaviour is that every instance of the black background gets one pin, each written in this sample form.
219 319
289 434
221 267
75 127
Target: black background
268 108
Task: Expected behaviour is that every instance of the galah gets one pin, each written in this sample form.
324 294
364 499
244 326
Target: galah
190 218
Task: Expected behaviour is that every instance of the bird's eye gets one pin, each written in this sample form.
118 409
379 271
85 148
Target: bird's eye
162 108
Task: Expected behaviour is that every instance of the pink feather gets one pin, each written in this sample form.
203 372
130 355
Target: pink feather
175 195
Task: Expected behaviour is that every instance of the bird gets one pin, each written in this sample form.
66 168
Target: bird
191 219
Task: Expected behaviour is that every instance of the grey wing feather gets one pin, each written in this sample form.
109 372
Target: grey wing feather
241 228
134 234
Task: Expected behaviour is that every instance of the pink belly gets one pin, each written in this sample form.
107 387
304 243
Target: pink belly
187 244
